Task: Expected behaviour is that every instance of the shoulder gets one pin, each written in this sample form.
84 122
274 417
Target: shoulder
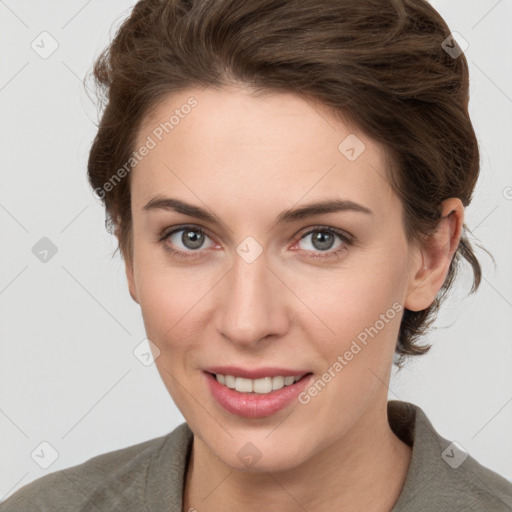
442 475
111 481
472 486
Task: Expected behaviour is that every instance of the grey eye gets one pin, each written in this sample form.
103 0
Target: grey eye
321 239
191 238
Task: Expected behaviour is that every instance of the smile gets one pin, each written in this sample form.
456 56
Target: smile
261 386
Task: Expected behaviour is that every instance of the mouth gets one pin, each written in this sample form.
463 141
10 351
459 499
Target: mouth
256 398
261 386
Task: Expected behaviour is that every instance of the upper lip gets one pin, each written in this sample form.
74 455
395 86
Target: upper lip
255 373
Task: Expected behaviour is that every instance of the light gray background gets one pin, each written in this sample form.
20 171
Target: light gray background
69 327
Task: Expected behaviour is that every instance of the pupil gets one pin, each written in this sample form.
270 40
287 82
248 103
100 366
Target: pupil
319 240
192 239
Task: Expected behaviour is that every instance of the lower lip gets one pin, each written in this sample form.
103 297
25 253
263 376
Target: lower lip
255 405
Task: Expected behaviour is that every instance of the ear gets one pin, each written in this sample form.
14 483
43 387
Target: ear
128 265
128 262
432 261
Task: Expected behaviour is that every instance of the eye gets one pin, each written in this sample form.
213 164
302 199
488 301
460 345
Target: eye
185 240
323 240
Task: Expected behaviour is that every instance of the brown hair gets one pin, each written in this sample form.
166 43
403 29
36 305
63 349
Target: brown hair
379 63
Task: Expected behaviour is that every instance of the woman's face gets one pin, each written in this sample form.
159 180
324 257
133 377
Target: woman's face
261 288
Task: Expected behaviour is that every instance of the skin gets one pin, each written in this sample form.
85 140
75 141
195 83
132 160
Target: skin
246 159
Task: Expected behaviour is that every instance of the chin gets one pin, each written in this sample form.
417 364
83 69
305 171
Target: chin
252 457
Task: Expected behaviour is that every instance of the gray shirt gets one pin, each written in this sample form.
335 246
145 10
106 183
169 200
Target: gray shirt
149 476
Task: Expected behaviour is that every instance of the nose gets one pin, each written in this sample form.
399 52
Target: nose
251 306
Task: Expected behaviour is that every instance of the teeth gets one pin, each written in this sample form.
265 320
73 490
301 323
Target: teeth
289 380
261 386
230 381
243 385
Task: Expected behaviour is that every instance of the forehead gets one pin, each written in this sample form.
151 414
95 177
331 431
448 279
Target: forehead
275 148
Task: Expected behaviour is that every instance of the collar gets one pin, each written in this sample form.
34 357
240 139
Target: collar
430 482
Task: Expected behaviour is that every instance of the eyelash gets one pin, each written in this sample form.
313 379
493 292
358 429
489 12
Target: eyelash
345 238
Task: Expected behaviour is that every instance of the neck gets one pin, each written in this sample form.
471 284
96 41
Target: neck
364 470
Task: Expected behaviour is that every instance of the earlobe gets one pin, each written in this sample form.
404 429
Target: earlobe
432 261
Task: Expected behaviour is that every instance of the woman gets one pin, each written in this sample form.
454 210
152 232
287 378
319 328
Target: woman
287 182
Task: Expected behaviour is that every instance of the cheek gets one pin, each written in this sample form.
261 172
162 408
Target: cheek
344 302
169 306
170 299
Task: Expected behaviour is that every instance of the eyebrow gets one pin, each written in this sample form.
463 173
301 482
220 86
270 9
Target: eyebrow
287 216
